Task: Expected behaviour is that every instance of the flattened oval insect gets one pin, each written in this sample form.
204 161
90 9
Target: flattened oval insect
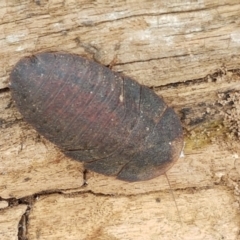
114 125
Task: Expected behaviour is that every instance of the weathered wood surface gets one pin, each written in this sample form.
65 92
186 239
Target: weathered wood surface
148 216
188 52
9 222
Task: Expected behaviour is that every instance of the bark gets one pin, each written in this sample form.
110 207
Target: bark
189 53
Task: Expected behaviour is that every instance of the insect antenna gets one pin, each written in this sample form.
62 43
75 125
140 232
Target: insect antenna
171 190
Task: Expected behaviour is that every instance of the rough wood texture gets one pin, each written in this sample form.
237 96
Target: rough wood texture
3 204
148 216
188 52
9 219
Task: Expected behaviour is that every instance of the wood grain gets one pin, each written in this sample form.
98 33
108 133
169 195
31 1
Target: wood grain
9 219
147 216
186 51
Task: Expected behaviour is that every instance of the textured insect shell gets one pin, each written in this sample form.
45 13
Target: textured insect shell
114 125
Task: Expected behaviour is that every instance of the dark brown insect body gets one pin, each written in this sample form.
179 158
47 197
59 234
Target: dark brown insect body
110 122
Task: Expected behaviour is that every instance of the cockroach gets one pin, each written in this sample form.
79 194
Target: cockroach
114 125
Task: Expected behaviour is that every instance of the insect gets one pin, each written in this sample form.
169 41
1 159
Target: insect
114 125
